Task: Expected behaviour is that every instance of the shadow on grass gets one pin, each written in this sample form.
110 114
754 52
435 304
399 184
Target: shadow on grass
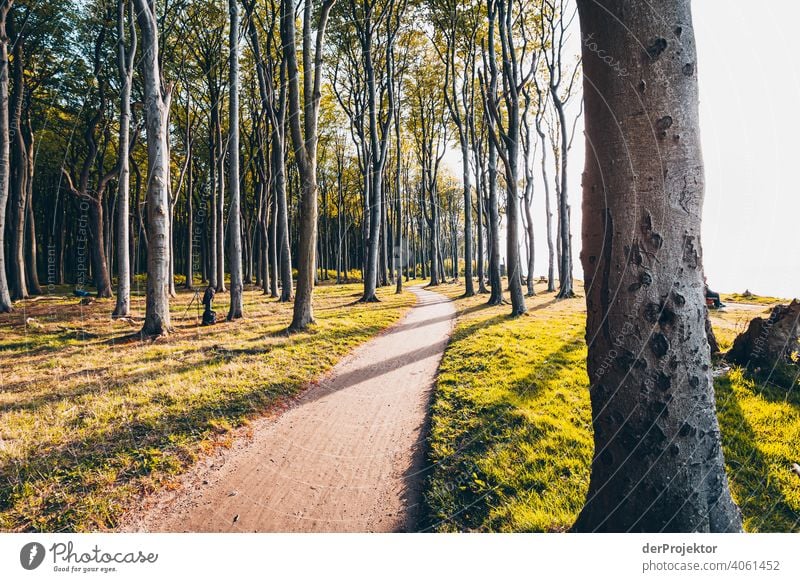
131 451
761 501
457 493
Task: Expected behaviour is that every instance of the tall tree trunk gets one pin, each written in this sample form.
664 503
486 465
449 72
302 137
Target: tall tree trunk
479 250
495 282
551 284
658 464
235 211
189 269
565 290
125 67
214 191
305 144
31 251
157 102
102 280
19 178
5 296
220 209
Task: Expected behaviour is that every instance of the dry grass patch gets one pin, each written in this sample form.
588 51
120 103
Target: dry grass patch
91 417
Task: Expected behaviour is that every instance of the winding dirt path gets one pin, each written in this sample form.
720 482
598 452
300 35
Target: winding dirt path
347 457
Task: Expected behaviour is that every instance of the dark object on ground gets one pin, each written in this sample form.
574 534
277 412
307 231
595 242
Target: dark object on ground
81 293
769 347
713 300
712 338
209 315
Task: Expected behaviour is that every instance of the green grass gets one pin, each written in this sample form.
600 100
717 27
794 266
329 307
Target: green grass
510 439
92 418
761 439
511 425
752 299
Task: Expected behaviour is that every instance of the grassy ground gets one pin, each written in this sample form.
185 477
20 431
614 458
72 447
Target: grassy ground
752 299
90 417
511 424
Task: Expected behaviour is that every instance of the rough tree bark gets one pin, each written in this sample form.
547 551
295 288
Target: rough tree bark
658 465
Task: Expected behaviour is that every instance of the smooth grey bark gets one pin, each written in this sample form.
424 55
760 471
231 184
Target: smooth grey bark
125 67
31 252
377 27
529 155
156 107
554 22
304 140
5 295
220 209
504 131
275 106
658 464
495 282
234 209
19 175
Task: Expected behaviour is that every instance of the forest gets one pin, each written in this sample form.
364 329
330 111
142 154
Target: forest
367 190
310 166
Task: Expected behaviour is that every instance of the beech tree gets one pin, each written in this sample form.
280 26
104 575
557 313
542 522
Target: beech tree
157 103
125 65
304 140
234 212
555 20
658 464
504 126
5 295
459 24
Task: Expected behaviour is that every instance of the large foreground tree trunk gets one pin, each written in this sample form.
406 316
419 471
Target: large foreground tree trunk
157 102
658 464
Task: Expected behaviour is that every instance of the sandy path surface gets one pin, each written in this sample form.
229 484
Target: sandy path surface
347 457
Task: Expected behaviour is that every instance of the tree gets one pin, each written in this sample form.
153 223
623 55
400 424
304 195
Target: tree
429 129
234 212
5 296
376 23
459 25
304 140
504 127
125 58
90 184
156 107
554 25
658 464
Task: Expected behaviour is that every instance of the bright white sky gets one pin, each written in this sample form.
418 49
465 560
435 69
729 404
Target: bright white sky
750 119
750 123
